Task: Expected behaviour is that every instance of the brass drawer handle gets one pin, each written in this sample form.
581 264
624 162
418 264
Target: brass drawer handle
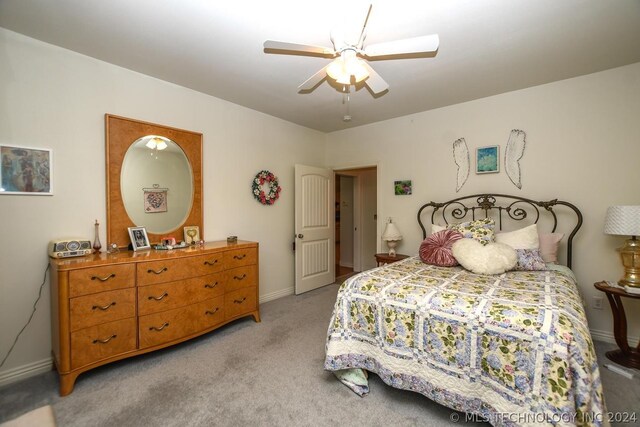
159 271
97 341
208 286
153 328
211 313
214 262
239 256
240 277
103 308
103 279
159 298
239 301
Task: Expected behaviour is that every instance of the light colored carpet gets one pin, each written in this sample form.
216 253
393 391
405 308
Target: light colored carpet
268 373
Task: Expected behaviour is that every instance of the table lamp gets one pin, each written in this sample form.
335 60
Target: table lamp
625 221
392 236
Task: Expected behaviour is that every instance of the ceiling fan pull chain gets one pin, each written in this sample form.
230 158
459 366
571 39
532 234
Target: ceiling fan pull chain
347 94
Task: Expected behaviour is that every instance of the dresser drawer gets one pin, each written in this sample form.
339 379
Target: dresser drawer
100 342
170 270
167 326
240 257
97 279
103 307
166 296
241 277
240 302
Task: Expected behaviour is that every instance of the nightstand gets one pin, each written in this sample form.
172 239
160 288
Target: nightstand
625 355
385 258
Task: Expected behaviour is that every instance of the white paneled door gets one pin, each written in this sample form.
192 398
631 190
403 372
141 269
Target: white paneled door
314 218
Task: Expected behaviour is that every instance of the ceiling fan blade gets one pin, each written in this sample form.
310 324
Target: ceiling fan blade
412 46
374 81
313 81
271 46
364 28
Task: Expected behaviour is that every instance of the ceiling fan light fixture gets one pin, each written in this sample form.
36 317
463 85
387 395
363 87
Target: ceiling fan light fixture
347 65
156 143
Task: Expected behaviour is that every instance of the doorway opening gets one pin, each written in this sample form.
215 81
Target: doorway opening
355 220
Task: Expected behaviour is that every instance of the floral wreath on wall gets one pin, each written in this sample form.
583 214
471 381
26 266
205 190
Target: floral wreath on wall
272 194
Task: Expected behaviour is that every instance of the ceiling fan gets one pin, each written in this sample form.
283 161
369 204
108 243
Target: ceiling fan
350 65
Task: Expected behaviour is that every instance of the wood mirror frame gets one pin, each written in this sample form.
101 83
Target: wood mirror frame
121 133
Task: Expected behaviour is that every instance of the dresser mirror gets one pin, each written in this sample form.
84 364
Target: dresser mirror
154 179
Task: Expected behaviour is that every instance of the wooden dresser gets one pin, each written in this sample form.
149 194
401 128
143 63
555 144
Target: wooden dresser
109 307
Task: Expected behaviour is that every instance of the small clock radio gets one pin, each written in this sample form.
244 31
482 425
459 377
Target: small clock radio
66 248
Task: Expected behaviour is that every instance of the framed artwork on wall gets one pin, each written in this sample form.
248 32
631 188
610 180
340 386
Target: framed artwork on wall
155 200
402 188
139 238
488 159
25 170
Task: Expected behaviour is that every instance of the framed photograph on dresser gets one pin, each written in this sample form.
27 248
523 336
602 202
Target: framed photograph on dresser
139 238
191 234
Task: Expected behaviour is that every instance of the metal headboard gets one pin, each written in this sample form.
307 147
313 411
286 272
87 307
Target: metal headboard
495 205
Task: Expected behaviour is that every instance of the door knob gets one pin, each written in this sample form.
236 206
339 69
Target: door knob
300 236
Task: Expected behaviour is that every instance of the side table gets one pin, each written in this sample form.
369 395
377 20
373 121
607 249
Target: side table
385 258
625 355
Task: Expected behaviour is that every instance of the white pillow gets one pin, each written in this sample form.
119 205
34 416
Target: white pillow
524 238
435 228
492 258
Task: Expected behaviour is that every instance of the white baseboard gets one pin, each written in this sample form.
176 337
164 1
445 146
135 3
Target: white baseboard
346 264
277 294
603 336
26 371
607 336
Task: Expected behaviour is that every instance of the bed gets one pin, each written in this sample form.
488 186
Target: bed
510 349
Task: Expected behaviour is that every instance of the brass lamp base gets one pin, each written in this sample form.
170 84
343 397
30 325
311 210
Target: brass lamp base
630 256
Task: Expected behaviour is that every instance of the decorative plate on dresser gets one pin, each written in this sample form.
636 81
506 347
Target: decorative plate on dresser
108 307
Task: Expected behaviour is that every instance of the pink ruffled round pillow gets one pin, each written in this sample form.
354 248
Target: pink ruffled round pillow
436 249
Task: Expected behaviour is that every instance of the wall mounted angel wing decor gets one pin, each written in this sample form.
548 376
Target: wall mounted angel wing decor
461 159
512 155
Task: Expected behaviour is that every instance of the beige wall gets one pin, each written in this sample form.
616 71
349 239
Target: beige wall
54 98
583 146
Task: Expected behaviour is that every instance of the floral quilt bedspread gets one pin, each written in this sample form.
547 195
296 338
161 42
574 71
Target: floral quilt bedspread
513 349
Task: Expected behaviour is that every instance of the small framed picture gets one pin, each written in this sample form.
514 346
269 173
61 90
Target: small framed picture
402 188
139 238
488 159
25 170
191 234
155 200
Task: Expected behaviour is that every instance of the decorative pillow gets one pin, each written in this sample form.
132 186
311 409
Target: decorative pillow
549 243
524 238
529 260
436 249
492 258
480 230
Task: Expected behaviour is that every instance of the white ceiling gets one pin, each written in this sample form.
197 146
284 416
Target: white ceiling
486 47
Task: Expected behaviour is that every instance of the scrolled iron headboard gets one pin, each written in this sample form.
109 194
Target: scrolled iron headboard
495 205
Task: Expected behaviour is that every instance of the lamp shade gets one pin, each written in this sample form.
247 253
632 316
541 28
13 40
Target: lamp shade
347 65
623 220
391 232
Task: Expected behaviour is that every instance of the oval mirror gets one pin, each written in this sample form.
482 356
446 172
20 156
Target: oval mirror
156 184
